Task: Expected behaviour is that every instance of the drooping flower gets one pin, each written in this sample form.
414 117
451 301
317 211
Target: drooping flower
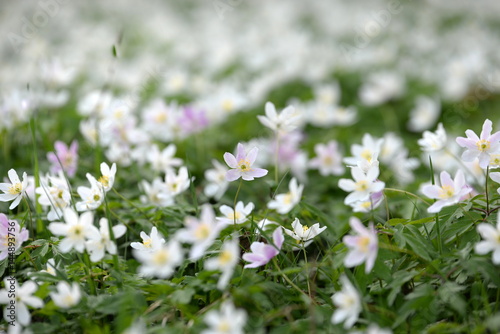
100 242
149 242
66 295
433 141
450 192
228 320
480 147
225 261
241 165
262 253
363 185
15 190
283 122
284 203
76 230
302 233
22 298
348 303
491 242
11 236
239 215
363 247
64 159
201 233
162 261
328 159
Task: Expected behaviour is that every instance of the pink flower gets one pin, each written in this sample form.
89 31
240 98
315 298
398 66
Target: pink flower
362 247
450 192
65 158
263 253
480 147
11 236
242 164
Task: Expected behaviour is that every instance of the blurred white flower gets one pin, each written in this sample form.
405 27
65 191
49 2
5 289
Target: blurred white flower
284 203
239 215
66 295
228 320
425 114
348 303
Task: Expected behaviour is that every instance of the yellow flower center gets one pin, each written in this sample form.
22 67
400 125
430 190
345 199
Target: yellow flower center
202 232
225 257
363 243
227 105
362 185
224 327
287 199
104 180
69 300
96 197
75 231
367 155
160 257
147 243
160 118
446 192
244 165
483 145
495 159
328 161
236 215
16 188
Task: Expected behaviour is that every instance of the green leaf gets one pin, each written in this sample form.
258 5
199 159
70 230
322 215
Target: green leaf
183 296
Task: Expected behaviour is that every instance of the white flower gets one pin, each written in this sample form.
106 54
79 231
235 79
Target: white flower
238 216
284 203
283 122
480 147
228 320
162 261
216 180
149 242
328 159
425 114
15 190
54 193
491 242
108 176
201 233
225 261
92 197
450 192
363 247
374 329
348 303
75 230
381 87
433 141
365 155
163 160
362 186
156 193
302 233
100 240
176 184
17 298
67 295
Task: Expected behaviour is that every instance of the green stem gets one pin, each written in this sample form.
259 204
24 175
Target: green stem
90 281
36 172
234 203
486 191
116 264
288 279
407 193
276 161
307 270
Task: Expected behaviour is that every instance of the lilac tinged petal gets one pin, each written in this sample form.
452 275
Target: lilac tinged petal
484 160
431 191
354 258
278 237
252 155
471 135
470 155
257 172
495 137
446 179
240 152
436 207
230 160
486 131
232 175
357 226
465 142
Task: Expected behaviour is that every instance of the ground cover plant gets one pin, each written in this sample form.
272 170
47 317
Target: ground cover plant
250 167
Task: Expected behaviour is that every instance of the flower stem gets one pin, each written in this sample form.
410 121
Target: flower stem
307 270
90 281
276 161
234 203
438 229
486 191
